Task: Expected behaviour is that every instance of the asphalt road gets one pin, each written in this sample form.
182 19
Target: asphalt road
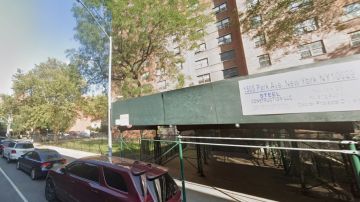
32 190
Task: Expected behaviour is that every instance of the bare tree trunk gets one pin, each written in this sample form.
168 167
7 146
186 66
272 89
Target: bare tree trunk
8 127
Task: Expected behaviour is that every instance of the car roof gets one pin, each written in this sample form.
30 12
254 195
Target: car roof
22 142
136 167
6 141
45 150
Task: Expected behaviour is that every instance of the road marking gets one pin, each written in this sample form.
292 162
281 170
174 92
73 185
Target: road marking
14 186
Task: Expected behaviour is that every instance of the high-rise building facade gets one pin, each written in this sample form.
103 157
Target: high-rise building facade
226 51
220 55
315 41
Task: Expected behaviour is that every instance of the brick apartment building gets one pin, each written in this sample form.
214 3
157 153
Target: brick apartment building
227 52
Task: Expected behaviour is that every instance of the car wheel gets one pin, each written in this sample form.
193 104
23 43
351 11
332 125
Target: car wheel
33 174
18 165
50 193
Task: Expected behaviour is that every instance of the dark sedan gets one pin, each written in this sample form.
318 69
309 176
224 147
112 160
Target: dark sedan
38 162
117 179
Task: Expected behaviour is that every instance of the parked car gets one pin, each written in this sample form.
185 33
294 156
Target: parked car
3 143
111 179
15 149
38 162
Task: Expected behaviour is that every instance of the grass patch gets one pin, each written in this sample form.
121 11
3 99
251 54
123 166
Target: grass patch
100 146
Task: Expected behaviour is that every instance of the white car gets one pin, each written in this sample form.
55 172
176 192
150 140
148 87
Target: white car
17 148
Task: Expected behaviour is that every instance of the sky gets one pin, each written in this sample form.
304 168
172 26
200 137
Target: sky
32 31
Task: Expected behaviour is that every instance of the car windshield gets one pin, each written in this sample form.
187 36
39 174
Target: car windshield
162 188
24 146
51 155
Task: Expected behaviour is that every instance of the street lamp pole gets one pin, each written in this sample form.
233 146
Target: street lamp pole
109 99
109 75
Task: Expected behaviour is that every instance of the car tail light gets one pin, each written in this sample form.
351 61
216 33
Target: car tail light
13 151
46 165
63 161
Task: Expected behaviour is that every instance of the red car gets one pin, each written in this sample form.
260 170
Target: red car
111 179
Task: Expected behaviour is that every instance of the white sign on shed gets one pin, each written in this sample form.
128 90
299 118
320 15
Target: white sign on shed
333 87
123 121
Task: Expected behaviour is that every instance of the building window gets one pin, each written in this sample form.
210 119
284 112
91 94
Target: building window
256 21
264 60
226 39
179 65
220 8
306 26
177 51
200 48
252 3
355 39
223 23
205 78
145 76
229 55
201 63
352 9
161 85
259 40
312 49
229 73
297 4
201 32
160 72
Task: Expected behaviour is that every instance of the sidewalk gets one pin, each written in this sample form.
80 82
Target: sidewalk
194 191
67 152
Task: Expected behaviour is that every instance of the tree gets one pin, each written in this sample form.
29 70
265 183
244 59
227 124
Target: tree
47 96
95 107
7 110
142 31
282 22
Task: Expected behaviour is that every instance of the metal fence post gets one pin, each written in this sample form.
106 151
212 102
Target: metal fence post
181 169
356 164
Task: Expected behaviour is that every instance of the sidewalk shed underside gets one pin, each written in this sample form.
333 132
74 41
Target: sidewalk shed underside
218 105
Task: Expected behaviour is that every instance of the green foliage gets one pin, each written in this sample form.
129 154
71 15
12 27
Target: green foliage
142 31
47 96
7 106
181 81
279 19
95 107
92 57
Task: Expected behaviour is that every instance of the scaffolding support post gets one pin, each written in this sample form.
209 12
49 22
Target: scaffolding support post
121 144
356 164
178 139
141 145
